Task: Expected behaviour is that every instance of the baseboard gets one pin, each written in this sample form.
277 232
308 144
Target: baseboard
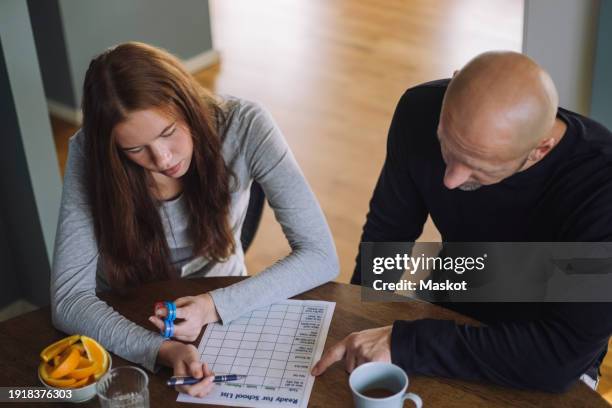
202 60
75 116
16 308
65 112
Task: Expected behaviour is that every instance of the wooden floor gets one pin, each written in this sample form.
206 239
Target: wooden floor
331 74
605 384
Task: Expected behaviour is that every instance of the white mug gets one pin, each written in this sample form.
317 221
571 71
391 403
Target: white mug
369 377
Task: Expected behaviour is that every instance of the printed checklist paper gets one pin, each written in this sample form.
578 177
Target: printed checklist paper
275 347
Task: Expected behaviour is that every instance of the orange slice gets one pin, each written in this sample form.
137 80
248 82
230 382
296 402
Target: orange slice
97 354
80 383
84 369
84 362
56 360
58 347
44 369
81 348
68 362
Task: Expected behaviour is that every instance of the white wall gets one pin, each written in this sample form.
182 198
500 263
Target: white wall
69 33
30 184
601 107
560 35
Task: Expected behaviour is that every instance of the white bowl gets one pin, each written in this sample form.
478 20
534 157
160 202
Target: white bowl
79 394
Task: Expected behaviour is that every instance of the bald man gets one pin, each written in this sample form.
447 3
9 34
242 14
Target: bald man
490 157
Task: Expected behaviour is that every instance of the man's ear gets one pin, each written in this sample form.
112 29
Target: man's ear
542 149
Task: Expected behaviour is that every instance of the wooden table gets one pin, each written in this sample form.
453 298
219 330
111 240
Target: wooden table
22 338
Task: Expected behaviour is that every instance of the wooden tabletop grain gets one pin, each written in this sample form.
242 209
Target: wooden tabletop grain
22 338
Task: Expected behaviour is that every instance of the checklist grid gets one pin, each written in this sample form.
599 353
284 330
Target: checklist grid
274 347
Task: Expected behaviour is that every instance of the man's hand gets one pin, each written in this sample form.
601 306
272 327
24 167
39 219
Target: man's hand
358 348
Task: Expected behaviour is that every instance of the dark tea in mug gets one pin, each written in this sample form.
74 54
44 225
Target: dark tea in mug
378 392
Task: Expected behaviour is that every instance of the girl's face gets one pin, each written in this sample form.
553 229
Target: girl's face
156 141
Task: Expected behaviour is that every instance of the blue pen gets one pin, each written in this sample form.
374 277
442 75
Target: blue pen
172 381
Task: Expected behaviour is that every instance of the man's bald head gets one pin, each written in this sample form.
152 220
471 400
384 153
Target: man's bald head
497 109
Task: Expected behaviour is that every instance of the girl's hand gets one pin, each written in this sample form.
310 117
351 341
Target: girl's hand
185 361
196 311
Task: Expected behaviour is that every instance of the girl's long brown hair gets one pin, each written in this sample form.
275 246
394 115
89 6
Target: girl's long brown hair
130 234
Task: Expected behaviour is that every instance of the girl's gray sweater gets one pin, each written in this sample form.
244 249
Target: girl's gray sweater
254 149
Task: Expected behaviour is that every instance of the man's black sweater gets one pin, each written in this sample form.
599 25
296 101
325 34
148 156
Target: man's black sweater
566 196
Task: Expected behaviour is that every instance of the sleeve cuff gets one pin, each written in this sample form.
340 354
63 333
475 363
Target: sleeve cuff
402 344
225 316
423 346
151 357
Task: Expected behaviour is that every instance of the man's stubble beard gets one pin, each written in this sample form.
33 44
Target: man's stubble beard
469 186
